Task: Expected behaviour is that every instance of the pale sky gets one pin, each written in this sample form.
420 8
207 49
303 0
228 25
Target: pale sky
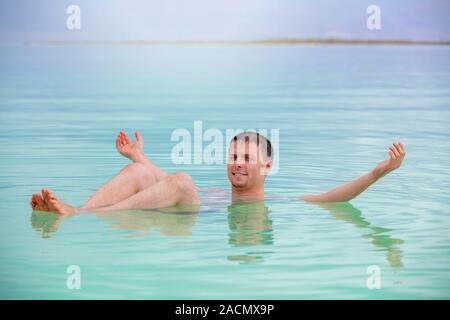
25 20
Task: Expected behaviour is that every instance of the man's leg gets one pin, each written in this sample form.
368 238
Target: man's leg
130 180
175 189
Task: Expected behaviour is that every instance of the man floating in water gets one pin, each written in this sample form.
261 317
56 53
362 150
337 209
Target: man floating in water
143 185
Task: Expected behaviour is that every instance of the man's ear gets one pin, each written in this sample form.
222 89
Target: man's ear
267 167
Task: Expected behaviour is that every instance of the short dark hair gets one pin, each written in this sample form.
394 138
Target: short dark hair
261 141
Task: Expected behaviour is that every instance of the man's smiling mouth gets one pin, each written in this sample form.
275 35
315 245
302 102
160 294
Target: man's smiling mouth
239 174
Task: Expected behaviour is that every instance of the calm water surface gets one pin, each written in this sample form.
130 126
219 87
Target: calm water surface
337 109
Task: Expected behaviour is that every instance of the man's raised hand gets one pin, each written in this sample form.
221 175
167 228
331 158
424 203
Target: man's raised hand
127 148
396 155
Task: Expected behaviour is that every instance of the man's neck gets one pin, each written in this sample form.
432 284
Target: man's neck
246 195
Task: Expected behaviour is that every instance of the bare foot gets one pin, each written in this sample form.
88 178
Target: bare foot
56 205
38 203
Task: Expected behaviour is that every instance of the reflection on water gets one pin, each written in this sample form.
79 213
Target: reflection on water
46 222
142 222
249 225
170 222
378 236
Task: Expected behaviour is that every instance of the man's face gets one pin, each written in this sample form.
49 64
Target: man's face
247 166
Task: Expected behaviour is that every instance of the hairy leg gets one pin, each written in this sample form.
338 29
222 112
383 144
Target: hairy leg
175 189
139 175
130 180
158 173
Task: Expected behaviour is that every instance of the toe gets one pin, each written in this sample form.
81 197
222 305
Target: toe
34 200
42 205
44 193
51 195
48 194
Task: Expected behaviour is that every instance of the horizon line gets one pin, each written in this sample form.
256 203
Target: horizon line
268 41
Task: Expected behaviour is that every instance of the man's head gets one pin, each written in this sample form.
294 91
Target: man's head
249 161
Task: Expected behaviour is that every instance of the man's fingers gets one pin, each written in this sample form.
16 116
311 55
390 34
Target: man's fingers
118 136
138 137
398 148
391 155
122 138
402 149
394 150
126 138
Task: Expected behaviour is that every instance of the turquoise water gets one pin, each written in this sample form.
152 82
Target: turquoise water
337 108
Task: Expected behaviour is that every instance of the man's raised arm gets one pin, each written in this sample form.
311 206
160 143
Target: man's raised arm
352 189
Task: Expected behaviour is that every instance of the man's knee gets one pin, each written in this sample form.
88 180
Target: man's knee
134 168
185 185
181 180
140 172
